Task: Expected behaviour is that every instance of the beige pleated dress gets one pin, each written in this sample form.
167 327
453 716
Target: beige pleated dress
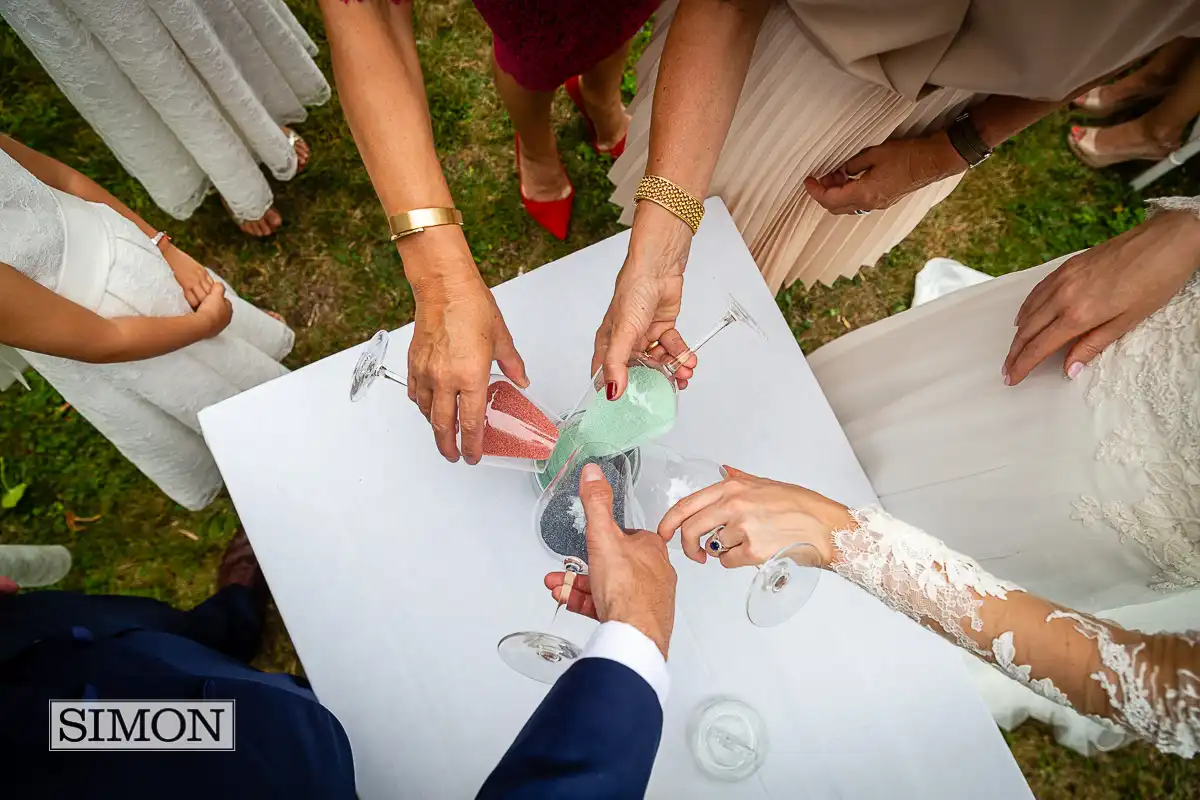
829 79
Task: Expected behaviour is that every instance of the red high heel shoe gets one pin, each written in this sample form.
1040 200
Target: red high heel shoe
553 215
572 87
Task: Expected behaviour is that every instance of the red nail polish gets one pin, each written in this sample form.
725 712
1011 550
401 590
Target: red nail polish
611 390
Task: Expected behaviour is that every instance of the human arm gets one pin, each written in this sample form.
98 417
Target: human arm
193 278
700 77
898 167
1101 294
597 732
595 735
36 319
1149 684
458 328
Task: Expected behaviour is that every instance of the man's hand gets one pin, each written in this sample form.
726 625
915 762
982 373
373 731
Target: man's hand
1101 294
458 333
630 578
879 176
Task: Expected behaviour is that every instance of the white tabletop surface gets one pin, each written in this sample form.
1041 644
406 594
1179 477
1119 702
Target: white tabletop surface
397 572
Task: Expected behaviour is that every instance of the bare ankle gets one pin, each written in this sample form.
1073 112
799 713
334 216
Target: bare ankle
1166 134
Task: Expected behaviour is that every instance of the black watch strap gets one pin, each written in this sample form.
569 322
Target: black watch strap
967 141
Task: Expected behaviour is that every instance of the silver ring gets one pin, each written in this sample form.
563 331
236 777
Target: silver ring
858 212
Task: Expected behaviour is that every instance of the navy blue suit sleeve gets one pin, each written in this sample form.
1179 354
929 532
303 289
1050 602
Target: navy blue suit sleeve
594 736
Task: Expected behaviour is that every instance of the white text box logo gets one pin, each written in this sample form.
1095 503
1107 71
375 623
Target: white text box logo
142 725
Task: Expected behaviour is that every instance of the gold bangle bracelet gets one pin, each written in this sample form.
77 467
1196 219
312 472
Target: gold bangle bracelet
673 198
419 219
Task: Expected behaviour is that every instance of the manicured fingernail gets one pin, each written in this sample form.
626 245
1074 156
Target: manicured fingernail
611 390
1074 370
724 473
1003 370
1007 380
1076 132
590 473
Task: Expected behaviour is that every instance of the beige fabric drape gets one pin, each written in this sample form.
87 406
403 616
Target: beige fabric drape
829 79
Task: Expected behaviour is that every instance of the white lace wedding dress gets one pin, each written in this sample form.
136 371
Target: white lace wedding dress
188 94
93 256
1130 683
1087 491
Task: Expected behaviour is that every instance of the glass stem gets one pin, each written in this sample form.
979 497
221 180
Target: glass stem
734 743
721 325
391 376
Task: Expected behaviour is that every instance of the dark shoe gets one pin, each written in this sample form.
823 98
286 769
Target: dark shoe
240 566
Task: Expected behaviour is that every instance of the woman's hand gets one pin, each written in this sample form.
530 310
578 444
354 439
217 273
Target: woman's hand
646 300
1102 293
757 517
214 312
192 277
8 586
458 333
879 176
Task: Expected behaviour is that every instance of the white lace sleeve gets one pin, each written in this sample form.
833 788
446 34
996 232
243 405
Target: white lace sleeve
1157 204
1150 684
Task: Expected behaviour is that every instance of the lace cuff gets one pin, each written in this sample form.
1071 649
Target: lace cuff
1148 684
1156 204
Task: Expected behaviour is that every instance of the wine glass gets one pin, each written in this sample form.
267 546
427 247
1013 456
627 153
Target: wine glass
665 477
728 739
560 524
647 408
783 584
518 432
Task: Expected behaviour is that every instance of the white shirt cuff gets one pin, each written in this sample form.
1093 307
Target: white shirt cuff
625 644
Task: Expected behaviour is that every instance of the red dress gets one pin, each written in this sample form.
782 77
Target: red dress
541 43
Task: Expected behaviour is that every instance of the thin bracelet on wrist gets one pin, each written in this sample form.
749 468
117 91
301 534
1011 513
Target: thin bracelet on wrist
158 239
673 198
417 220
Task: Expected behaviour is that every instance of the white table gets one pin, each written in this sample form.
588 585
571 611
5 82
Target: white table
397 572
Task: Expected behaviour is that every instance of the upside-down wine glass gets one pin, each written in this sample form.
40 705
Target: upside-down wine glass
561 526
782 584
646 409
518 432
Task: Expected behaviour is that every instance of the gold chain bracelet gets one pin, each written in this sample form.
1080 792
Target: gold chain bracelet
673 198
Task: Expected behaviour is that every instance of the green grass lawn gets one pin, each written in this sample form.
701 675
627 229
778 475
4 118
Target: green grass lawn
336 279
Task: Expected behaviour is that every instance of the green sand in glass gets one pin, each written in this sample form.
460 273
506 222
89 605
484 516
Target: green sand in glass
645 411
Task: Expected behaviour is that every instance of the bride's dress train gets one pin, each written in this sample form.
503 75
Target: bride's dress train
1086 492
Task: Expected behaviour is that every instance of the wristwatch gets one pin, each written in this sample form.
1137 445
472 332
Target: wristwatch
966 140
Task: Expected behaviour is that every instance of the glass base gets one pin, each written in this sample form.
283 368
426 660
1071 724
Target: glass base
367 368
728 739
540 656
783 585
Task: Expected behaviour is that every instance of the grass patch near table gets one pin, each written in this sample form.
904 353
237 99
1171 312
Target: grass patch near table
335 278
